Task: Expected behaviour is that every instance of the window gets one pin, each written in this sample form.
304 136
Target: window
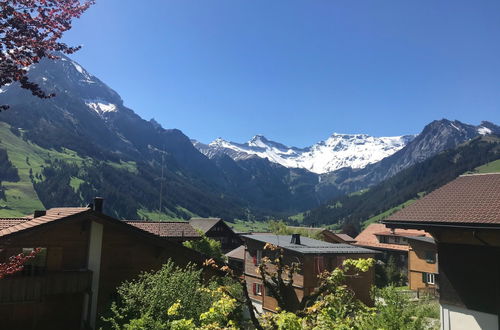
430 257
319 264
396 240
257 289
259 257
382 239
428 278
36 265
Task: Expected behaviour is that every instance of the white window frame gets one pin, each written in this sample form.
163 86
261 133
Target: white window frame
430 278
258 289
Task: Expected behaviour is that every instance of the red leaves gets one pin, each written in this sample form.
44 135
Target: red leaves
16 263
29 31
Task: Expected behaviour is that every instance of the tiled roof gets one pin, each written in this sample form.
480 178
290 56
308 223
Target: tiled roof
204 224
238 253
166 228
469 199
10 222
308 245
368 237
50 216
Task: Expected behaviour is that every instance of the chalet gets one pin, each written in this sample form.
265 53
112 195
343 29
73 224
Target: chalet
84 256
236 259
463 216
389 241
314 256
422 265
217 229
175 231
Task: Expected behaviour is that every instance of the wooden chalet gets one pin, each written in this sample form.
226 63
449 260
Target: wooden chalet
389 241
315 256
218 230
325 234
85 255
463 217
423 270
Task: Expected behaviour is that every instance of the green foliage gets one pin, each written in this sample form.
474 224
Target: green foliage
280 228
146 300
208 246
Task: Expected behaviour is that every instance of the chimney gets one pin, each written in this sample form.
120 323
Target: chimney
39 213
98 202
295 239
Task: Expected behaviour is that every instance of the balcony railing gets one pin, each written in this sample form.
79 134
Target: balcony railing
33 288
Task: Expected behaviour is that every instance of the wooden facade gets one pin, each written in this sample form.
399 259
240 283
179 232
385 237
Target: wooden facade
70 287
423 265
306 279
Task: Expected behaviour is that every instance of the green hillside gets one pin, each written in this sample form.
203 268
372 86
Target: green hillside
491 167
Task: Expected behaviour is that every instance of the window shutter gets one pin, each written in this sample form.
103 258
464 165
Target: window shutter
254 288
255 260
424 277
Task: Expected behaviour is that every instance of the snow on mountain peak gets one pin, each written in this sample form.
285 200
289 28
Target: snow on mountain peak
101 106
339 150
484 130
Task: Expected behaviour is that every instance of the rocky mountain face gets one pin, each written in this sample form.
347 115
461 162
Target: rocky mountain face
84 142
338 151
438 136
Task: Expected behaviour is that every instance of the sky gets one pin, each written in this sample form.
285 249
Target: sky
296 71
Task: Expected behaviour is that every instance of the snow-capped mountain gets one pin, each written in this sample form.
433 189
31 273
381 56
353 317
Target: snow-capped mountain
338 151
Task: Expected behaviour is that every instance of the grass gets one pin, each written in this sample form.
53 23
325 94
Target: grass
129 166
491 167
298 217
145 214
249 226
387 213
21 198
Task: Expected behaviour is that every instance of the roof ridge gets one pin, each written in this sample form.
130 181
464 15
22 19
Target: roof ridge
479 174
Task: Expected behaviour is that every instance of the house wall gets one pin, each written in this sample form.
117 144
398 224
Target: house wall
67 246
125 254
417 264
469 274
306 279
457 318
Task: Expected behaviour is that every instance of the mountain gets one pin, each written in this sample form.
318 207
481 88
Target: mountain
437 136
408 184
338 151
85 142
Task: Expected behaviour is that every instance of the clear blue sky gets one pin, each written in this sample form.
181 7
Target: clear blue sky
296 71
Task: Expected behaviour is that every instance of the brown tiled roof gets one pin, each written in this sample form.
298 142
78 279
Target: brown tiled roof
50 216
368 237
10 222
166 228
204 224
238 253
469 199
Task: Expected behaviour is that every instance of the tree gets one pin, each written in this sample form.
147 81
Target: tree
208 246
16 263
29 31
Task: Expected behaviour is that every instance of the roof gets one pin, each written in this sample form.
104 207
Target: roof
468 200
346 238
423 239
204 224
368 237
12 225
309 245
168 229
343 238
238 253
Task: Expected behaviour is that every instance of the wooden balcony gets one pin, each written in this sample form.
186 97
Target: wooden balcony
34 288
